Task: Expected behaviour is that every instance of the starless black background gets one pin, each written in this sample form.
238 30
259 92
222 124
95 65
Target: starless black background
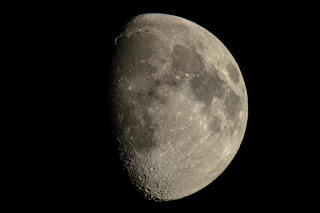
84 171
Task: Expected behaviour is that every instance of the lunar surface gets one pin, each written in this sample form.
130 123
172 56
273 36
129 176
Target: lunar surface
179 105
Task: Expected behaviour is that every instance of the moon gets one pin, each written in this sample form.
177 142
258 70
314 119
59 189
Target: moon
179 105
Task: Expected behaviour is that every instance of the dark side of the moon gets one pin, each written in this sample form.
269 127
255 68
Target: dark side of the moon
178 104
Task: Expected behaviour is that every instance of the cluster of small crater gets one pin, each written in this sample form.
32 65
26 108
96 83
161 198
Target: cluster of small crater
135 124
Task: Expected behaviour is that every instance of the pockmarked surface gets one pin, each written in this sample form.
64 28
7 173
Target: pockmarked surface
179 105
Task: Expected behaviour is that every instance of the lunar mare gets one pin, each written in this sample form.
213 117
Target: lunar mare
179 105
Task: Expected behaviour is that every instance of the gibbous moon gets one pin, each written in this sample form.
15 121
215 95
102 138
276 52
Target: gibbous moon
179 105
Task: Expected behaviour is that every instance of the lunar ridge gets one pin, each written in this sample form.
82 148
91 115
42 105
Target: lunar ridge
179 105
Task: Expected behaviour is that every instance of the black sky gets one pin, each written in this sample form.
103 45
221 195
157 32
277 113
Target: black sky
262 39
